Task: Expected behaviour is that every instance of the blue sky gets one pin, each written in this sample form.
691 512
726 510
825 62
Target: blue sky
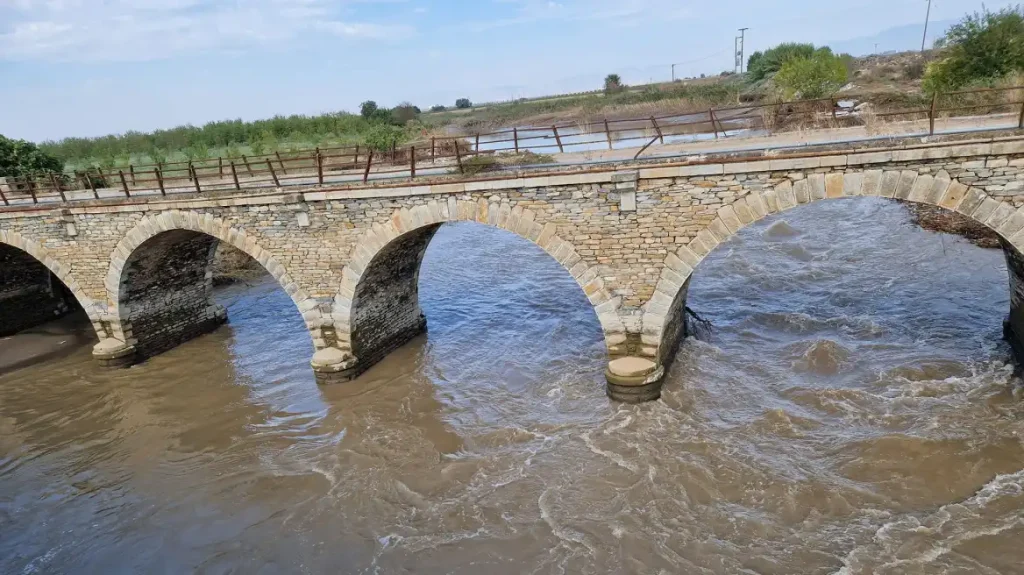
92 67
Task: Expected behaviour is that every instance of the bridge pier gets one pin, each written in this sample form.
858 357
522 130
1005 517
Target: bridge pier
1013 325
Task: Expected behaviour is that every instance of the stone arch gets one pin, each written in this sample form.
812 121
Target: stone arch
416 226
662 318
155 226
94 310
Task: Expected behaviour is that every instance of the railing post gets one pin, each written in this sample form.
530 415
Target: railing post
124 184
319 167
220 166
102 177
369 162
832 102
458 155
714 126
4 198
248 168
92 185
558 140
433 149
280 162
1020 121
131 170
355 158
160 180
273 174
32 189
234 175
657 129
515 138
394 152
608 133
412 161
931 113
57 186
195 177
190 170
477 147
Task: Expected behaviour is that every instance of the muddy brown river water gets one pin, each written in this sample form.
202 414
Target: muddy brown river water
852 410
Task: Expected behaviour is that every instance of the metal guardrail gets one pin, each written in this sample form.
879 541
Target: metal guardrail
457 152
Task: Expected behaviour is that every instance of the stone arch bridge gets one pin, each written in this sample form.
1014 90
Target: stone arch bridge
631 235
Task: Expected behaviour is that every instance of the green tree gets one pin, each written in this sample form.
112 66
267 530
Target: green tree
760 65
817 76
463 103
404 112
21 158
367 109
613 84
982 47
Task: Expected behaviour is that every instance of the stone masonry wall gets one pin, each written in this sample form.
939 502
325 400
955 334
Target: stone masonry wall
29 295
166 292
386 305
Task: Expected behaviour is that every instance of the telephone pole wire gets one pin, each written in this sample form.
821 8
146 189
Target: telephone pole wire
927 16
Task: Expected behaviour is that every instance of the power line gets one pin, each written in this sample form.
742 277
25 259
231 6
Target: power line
927 16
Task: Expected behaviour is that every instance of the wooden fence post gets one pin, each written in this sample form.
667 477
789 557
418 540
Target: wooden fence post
931 113
58 187
234 175
711 113
608 133
220 167
190 170
102 177
280 162
477 148
832 102
412 161
32 190
1020 121
124 184
433 149
458 155
160 180
92 185
369 162
319 167
657 129
4 198
195 177
355 157
248 168
131 170
558 140
515 138
273 174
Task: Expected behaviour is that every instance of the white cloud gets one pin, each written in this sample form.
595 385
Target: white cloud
140 30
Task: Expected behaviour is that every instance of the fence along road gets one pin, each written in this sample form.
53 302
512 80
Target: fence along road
742 128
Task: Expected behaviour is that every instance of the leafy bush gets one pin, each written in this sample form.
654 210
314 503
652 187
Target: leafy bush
21 158
463 103
437 108
760 65
817 76
383 137
613 84
982 47
367 109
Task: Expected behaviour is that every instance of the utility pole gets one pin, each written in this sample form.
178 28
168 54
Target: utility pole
927 16
740 51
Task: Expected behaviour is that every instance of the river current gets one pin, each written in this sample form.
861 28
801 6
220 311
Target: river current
851 410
